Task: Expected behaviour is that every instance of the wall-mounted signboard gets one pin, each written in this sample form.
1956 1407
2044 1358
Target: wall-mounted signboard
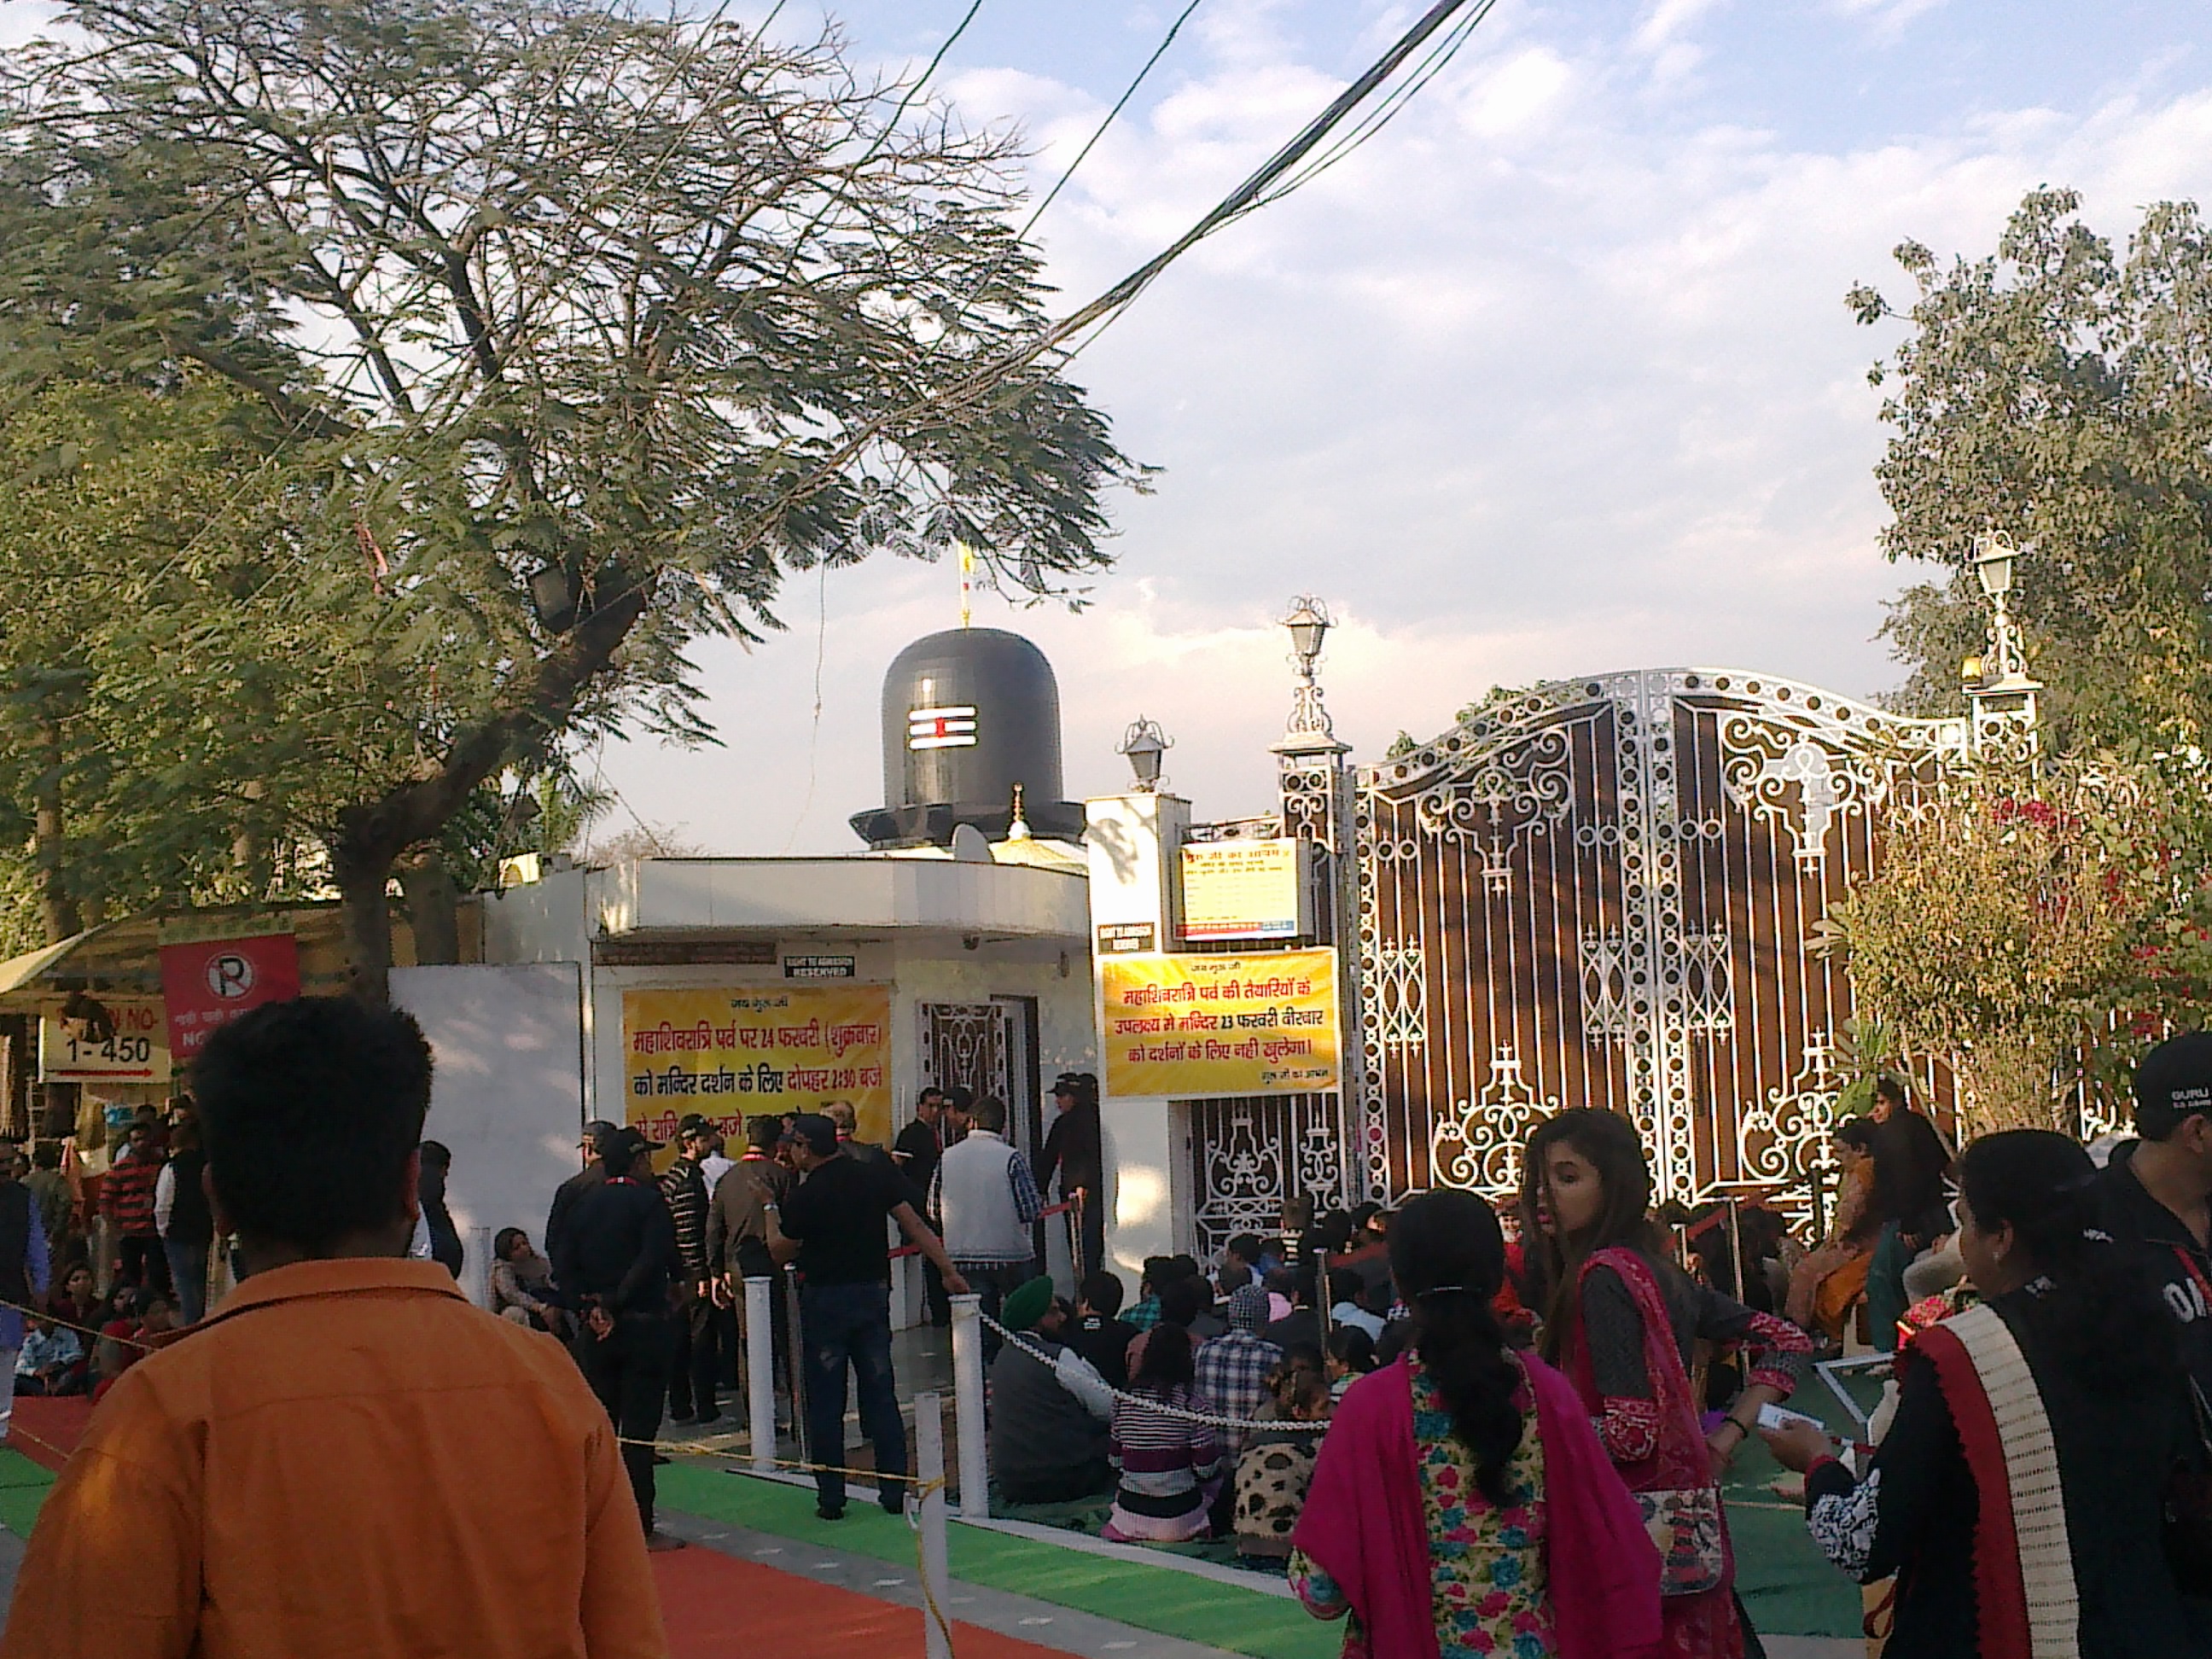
136 1051
1203 1027
733 1052
1257 890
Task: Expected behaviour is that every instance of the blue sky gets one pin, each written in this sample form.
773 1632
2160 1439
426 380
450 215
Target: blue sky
1555 377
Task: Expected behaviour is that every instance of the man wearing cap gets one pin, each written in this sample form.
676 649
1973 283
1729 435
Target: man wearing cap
565 1194
684 1187
2155 1193
1231 1368
832 1225
1049 1408
2154 1198
616 1263
1074 1148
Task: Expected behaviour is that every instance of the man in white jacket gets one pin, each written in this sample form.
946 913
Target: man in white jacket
988 1202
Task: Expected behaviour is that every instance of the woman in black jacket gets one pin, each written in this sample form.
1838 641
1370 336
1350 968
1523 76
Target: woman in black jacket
2018 1495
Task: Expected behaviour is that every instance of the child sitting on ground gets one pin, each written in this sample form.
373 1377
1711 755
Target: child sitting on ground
52 1361
1277 1466
1351 1356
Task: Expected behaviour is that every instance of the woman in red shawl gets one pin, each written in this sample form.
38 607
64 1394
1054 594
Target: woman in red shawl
1620 1319
1461 1504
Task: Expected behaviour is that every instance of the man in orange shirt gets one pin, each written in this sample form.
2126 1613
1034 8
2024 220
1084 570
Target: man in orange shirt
345 1459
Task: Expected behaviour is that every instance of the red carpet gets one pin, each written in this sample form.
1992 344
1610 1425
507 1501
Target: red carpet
47 1430
715 1607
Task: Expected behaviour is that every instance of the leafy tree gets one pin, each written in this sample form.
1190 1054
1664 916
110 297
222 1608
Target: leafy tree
1999 932
2063 395
577 330
102 481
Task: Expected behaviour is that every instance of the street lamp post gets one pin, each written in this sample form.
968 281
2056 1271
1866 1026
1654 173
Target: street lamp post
2002 693
1310 731
1144 743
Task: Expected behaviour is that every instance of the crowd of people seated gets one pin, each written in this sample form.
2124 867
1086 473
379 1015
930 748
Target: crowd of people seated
1468 1436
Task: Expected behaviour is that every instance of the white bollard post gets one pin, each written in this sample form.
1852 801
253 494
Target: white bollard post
936 1564
477 1262
968 1406
759 1372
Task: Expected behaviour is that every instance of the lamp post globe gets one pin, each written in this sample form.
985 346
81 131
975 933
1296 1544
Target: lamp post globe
1144 743
1309 623
1994 554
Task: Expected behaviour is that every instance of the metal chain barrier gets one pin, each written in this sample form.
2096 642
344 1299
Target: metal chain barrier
1143 1402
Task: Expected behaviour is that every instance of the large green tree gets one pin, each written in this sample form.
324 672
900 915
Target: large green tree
576 330
2061 394
105 486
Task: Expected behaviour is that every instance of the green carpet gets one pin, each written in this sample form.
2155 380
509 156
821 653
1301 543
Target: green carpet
1151 1598
1787 1584
23 1486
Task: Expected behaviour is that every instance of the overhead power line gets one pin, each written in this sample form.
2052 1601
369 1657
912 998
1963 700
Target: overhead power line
1123 293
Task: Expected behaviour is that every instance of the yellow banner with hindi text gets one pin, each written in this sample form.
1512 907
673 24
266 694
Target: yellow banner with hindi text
733 1052
1200 1027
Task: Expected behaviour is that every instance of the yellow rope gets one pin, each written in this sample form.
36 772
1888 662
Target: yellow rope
83 1330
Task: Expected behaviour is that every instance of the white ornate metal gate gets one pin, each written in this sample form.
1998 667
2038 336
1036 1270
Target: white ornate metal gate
1603 892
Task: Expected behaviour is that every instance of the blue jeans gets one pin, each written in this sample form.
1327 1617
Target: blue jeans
993 1281
841 1323
188 1272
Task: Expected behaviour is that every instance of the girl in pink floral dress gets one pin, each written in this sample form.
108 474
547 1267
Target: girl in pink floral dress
1461 1505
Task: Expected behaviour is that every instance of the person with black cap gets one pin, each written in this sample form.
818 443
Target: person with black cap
1047 1438
832 1225
616 1266
565 1194
2154 1198
1073 1146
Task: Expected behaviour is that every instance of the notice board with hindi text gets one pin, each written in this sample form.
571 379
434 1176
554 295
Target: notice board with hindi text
735 1052
1257 890
1206 1027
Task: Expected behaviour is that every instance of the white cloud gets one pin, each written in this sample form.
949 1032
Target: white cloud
1668 19
1888 17
1550 377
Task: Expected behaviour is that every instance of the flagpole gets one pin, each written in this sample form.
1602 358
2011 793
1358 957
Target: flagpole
967 571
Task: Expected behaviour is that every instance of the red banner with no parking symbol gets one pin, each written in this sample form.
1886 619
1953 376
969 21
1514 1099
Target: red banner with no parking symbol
212 982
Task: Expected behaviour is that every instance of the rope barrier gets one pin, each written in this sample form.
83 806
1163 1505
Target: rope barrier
1145 1403
86 1330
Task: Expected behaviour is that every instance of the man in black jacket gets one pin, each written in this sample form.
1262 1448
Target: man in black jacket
2155 1194
565 1195
1073 1146
616 1261
917 1151
2154 1198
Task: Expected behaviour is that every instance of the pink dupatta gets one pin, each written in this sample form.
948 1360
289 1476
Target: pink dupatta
1362 1525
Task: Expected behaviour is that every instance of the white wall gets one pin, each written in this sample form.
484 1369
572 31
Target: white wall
1134 843
507 1096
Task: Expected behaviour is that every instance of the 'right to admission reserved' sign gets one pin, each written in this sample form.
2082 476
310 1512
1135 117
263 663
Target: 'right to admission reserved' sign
1200 1027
